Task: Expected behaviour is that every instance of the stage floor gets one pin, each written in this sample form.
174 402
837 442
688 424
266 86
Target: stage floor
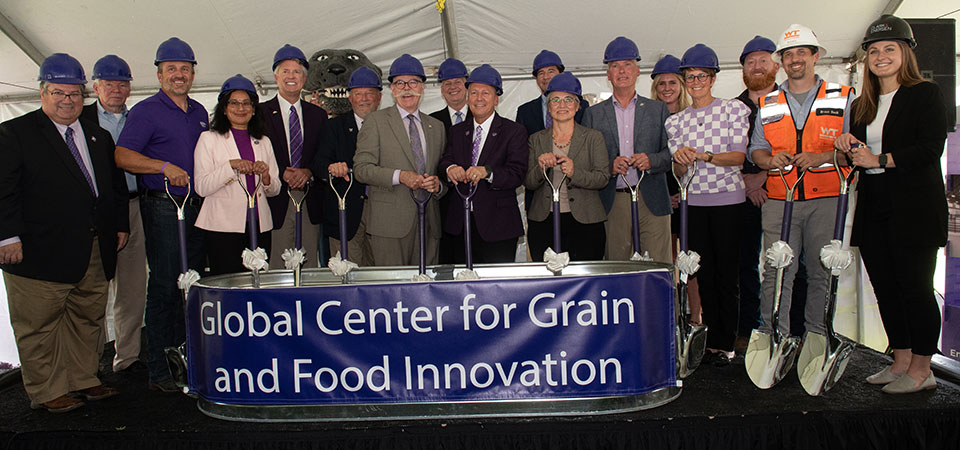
719 408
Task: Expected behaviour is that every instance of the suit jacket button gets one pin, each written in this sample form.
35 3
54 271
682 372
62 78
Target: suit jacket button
570 199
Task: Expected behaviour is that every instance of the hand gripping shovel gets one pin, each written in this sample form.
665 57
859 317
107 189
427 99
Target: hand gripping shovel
635 216
176 358
823 359
294 258
691 339
770 355
254 258
467 197
555 258
421 197
339 264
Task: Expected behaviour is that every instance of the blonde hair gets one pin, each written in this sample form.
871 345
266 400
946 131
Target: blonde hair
865 106
683 99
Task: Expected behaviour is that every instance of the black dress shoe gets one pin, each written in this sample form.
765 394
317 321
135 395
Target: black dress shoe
137 368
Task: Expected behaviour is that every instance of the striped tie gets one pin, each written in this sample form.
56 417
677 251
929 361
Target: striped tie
476 146
72 145
415 145
459 117
296 138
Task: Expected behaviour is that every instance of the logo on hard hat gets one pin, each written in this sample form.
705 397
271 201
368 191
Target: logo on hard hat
791 34
880 27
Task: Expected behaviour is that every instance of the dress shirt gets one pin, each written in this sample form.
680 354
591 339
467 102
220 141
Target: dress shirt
285 114
453 114
114 123
625 117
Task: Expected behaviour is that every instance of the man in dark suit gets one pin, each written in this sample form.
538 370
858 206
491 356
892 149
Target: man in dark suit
294 130
632 127
64 218
492 153
338 143
533 114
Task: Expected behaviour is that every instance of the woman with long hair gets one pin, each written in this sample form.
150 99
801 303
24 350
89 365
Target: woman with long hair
897 133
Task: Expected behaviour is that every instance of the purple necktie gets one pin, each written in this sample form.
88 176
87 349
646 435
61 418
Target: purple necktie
476 145
72 145
296 138
548 121
459 117
415 144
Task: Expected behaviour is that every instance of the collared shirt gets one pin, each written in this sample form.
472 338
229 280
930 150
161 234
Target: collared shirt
406 127
157 128
453 113
544 109
799 112
113 123
285 114
358 119
625 117
81 141
484 130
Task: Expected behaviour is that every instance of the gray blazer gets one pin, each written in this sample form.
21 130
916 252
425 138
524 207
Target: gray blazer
382 148
649 137
590 173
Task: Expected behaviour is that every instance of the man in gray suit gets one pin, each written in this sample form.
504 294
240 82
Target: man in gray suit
398 149
632 128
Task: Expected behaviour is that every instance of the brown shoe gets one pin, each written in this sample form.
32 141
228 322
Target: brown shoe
95 393
60 404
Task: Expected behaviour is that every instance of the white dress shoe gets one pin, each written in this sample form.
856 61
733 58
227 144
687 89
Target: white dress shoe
884 376
906 384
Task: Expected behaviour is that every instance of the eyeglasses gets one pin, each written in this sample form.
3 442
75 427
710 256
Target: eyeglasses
412 84
60 95
243 104
701 77
567 100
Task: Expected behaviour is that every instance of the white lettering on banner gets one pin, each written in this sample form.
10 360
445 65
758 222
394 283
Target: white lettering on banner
223 381
484 374
235 324
585 310
493 316
352 379
380 320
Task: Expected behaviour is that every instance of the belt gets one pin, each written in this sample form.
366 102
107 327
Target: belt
192 201
133 194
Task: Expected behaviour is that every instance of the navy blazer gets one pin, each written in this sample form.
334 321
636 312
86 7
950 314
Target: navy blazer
530 114
495 207
913 132
444 116
338 143
649 136
47 202
313 119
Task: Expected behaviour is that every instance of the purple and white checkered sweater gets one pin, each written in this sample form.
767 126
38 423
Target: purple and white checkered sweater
720 127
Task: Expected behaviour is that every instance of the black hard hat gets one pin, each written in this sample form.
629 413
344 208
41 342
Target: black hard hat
888 28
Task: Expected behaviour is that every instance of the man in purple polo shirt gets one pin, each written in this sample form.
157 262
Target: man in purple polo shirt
158 141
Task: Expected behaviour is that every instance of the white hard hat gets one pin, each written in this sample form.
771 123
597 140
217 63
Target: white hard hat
797 35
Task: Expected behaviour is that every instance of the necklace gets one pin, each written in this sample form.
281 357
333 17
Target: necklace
561 145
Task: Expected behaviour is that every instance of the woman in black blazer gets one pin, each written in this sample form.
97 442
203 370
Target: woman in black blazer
901 217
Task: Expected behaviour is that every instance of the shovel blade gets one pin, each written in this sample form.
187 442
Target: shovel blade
693 342
820 367
767 362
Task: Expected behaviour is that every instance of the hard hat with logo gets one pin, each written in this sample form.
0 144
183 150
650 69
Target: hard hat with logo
486 74
757 44
406 65
174 49
289 52
111 68
700 57
667 64
63 69
364 77
546 58
564 82
238 82
797 35
888 28
621 49
451 68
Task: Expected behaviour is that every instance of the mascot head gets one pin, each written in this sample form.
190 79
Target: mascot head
329 75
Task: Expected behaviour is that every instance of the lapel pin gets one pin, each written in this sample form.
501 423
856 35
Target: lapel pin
494 133
350 129
93 138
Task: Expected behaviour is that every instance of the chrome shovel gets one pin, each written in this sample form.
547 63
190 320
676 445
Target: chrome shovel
691 339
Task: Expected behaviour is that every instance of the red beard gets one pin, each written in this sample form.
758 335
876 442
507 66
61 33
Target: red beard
757 84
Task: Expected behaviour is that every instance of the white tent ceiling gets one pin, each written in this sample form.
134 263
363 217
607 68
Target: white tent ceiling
240 36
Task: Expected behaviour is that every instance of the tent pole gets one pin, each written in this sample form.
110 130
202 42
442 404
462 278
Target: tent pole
448 23
20 40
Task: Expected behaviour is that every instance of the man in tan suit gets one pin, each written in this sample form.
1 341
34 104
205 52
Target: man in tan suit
398 149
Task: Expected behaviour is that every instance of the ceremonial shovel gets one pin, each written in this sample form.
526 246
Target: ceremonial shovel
635 208
691 339
823 359
252 226
770 355
421 197
176 359
342 213
467 236
556 208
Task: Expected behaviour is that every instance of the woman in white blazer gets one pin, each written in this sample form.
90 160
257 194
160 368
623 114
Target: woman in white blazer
235 143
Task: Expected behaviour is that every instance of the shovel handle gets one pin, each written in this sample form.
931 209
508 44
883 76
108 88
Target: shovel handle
467 232
181 223
421 200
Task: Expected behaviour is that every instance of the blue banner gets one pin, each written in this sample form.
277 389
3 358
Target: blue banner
505 339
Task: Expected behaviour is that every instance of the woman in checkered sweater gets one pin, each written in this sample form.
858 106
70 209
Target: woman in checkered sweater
712 133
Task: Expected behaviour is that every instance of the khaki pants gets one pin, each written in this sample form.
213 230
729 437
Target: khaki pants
403 251
57 329
654 231
284 237
130 289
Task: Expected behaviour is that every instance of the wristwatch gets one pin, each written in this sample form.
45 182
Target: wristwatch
709 155
882 159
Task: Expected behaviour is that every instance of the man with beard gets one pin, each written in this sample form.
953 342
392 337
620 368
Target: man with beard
158 143
293 127
452 76
338 144
796 126
398 149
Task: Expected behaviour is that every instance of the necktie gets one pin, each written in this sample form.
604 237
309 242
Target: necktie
476 145
415 145
548 121
459 117
72 145
296 138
